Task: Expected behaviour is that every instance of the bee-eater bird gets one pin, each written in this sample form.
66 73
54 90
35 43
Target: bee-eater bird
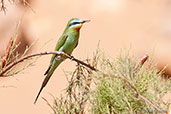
66 43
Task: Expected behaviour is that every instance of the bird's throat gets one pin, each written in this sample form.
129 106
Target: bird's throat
78 28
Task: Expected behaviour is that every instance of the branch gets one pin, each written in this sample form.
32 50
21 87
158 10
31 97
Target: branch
49 104
11 65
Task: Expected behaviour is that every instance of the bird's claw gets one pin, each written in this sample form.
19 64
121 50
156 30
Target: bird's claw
71 57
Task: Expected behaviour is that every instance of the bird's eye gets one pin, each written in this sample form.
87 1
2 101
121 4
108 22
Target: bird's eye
74 23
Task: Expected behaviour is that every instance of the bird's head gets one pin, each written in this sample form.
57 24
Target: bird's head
76 23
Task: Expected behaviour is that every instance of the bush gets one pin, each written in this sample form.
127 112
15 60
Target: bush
119 86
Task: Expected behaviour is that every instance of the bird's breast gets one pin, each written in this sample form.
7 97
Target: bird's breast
70 44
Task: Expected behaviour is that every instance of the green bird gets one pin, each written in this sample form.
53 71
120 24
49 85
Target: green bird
66 43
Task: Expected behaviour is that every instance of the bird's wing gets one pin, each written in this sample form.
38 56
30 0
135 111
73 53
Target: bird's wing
60 43
76 45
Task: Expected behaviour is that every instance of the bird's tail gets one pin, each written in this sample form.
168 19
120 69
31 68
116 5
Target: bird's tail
43 85
49 74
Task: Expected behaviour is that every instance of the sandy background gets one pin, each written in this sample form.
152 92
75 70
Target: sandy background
142 25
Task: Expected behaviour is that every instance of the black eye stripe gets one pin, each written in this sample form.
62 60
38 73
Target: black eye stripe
74 23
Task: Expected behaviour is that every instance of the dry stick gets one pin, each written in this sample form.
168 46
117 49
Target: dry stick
44 53
49 104
81 62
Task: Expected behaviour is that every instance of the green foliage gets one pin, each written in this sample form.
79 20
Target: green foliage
114 89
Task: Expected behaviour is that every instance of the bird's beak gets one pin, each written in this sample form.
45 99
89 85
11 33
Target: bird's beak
84 21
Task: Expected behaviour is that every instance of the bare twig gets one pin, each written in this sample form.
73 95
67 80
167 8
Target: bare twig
44 53
81 62
7 54
48 104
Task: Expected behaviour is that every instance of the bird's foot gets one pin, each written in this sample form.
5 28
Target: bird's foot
71 57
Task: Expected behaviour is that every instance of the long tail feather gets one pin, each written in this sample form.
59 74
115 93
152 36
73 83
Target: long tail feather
43 85
47 70
38 95
49 73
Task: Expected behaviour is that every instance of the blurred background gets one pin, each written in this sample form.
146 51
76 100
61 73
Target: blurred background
143 26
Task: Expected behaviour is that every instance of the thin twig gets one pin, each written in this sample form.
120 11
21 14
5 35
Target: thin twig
48 104
44 53
149 102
